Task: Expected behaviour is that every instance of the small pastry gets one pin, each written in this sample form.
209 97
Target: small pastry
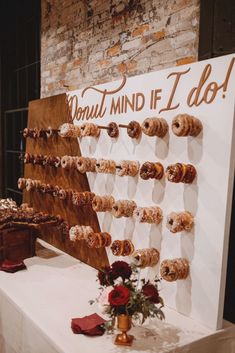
90 129
179 172
122 247
80 232
102 203
155 127
148 214
106 166
173 270
21 183
84 164
151 171
134 129
146 257
129 168
113 130
28 158
123 208
177 222
186 125
69 130
67 162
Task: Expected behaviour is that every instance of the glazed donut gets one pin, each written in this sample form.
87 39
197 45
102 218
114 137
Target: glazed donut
57 162
113 130
86 164
106 166
186 125
79 232
177 222
148 214
172 270
29 184
129 168
151 170
122 247
180 172
102 203
123 208
134 129
90 129
155 127
146 257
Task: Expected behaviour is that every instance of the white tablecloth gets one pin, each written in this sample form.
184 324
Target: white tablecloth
36 307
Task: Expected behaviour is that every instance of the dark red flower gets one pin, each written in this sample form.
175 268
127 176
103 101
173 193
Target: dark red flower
105 276
121 269
119 296
151 292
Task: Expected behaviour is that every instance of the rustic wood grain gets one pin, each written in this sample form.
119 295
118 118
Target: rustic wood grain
53 111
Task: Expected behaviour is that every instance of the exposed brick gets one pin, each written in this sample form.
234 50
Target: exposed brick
140 30
158 35
114 50
187 60
80 48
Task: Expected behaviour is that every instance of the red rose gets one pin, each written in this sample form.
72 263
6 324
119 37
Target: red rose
119 296
151 292
121 269
105 276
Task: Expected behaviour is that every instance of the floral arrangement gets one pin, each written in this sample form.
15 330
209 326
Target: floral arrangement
123 292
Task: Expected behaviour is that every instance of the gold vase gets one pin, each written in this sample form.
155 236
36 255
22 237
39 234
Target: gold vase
124 325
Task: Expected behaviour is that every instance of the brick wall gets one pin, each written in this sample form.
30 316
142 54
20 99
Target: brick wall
91 42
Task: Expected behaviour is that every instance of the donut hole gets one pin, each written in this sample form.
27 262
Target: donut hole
166 270
170 221
115 208
146 125
177 125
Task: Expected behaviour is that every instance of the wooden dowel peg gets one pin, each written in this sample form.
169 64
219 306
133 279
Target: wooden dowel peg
103 127
124 126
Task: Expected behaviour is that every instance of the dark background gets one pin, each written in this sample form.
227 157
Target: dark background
20 83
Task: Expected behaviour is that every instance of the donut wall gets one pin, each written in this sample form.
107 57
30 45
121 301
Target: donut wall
203 91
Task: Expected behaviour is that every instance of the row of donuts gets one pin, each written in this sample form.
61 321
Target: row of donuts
171 270
176 173
176 222
182 125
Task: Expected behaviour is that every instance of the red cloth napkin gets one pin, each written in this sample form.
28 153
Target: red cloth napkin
90 325
12 266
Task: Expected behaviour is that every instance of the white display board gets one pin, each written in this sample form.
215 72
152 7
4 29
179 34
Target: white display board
207 91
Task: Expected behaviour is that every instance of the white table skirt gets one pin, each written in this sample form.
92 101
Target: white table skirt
36 307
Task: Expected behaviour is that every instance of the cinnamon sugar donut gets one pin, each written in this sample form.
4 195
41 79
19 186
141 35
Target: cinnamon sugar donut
134 129
86 164
69 130
180 172
155 127
186 125
102 203
128 168
151 170
106 166
146 257
79 232
122 247
177 222
148 214
123 208
173 270
90 129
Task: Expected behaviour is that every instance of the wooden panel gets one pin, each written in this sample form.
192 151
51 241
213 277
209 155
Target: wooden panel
53 111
